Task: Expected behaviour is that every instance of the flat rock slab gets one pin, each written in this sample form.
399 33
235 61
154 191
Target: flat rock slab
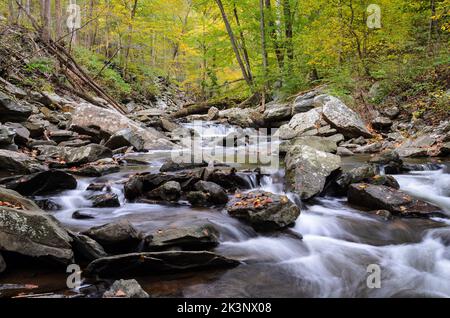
34 234
111 121
378 197
156 263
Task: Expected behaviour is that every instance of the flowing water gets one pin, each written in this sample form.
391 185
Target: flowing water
339 243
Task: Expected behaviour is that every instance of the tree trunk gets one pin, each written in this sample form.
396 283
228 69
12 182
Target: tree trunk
233 43
12 15
130 37
273 35
263 38
288 31
58 18
46 16
243 47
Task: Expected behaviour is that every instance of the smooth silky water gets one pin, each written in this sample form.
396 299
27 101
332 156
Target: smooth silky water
339 242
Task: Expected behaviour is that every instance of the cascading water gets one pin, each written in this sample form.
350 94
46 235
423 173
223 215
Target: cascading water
339 242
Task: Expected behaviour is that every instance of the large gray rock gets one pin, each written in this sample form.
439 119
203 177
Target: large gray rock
115 237
376 197
307 170
157 263
125 289
300 124
243 117
264 210
86 248
345 120
16 200
86 115
216 194
319 143
12 111
277 112
18 163
34 234
169 191
22 134
6 136
75 156
126 138
42 183
188 238
2 264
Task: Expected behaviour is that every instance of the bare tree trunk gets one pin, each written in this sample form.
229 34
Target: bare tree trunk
28 7
432 21
233 43
288 31
243 45
130 37
12 15
47 16
263 38
273 35
58 18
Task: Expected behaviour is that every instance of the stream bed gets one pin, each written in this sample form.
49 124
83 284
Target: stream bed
339 243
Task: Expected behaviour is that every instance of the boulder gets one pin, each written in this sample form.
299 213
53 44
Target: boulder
48 205
171 166
445 149
243 117
319 143
18 163
16 200
96 134
168 125
356 175
81 215
157 263
2 264
300 124
216 194
391 112
106 200
277 112
125 289
375 197
169 191
308 169
192 238
264 210
86 248
59 136
42 183
344 152
213 113
12 111
86 115
345 120
75 156
34 234
302 104
119 236
96 169
382 123
370 148
198 199
125 138
22 133
7 136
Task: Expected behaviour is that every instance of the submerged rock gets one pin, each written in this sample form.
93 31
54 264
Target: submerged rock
125 289
115 237
189 238
308 169
34 234
264 210
377 197
156 263
105 200
42 183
